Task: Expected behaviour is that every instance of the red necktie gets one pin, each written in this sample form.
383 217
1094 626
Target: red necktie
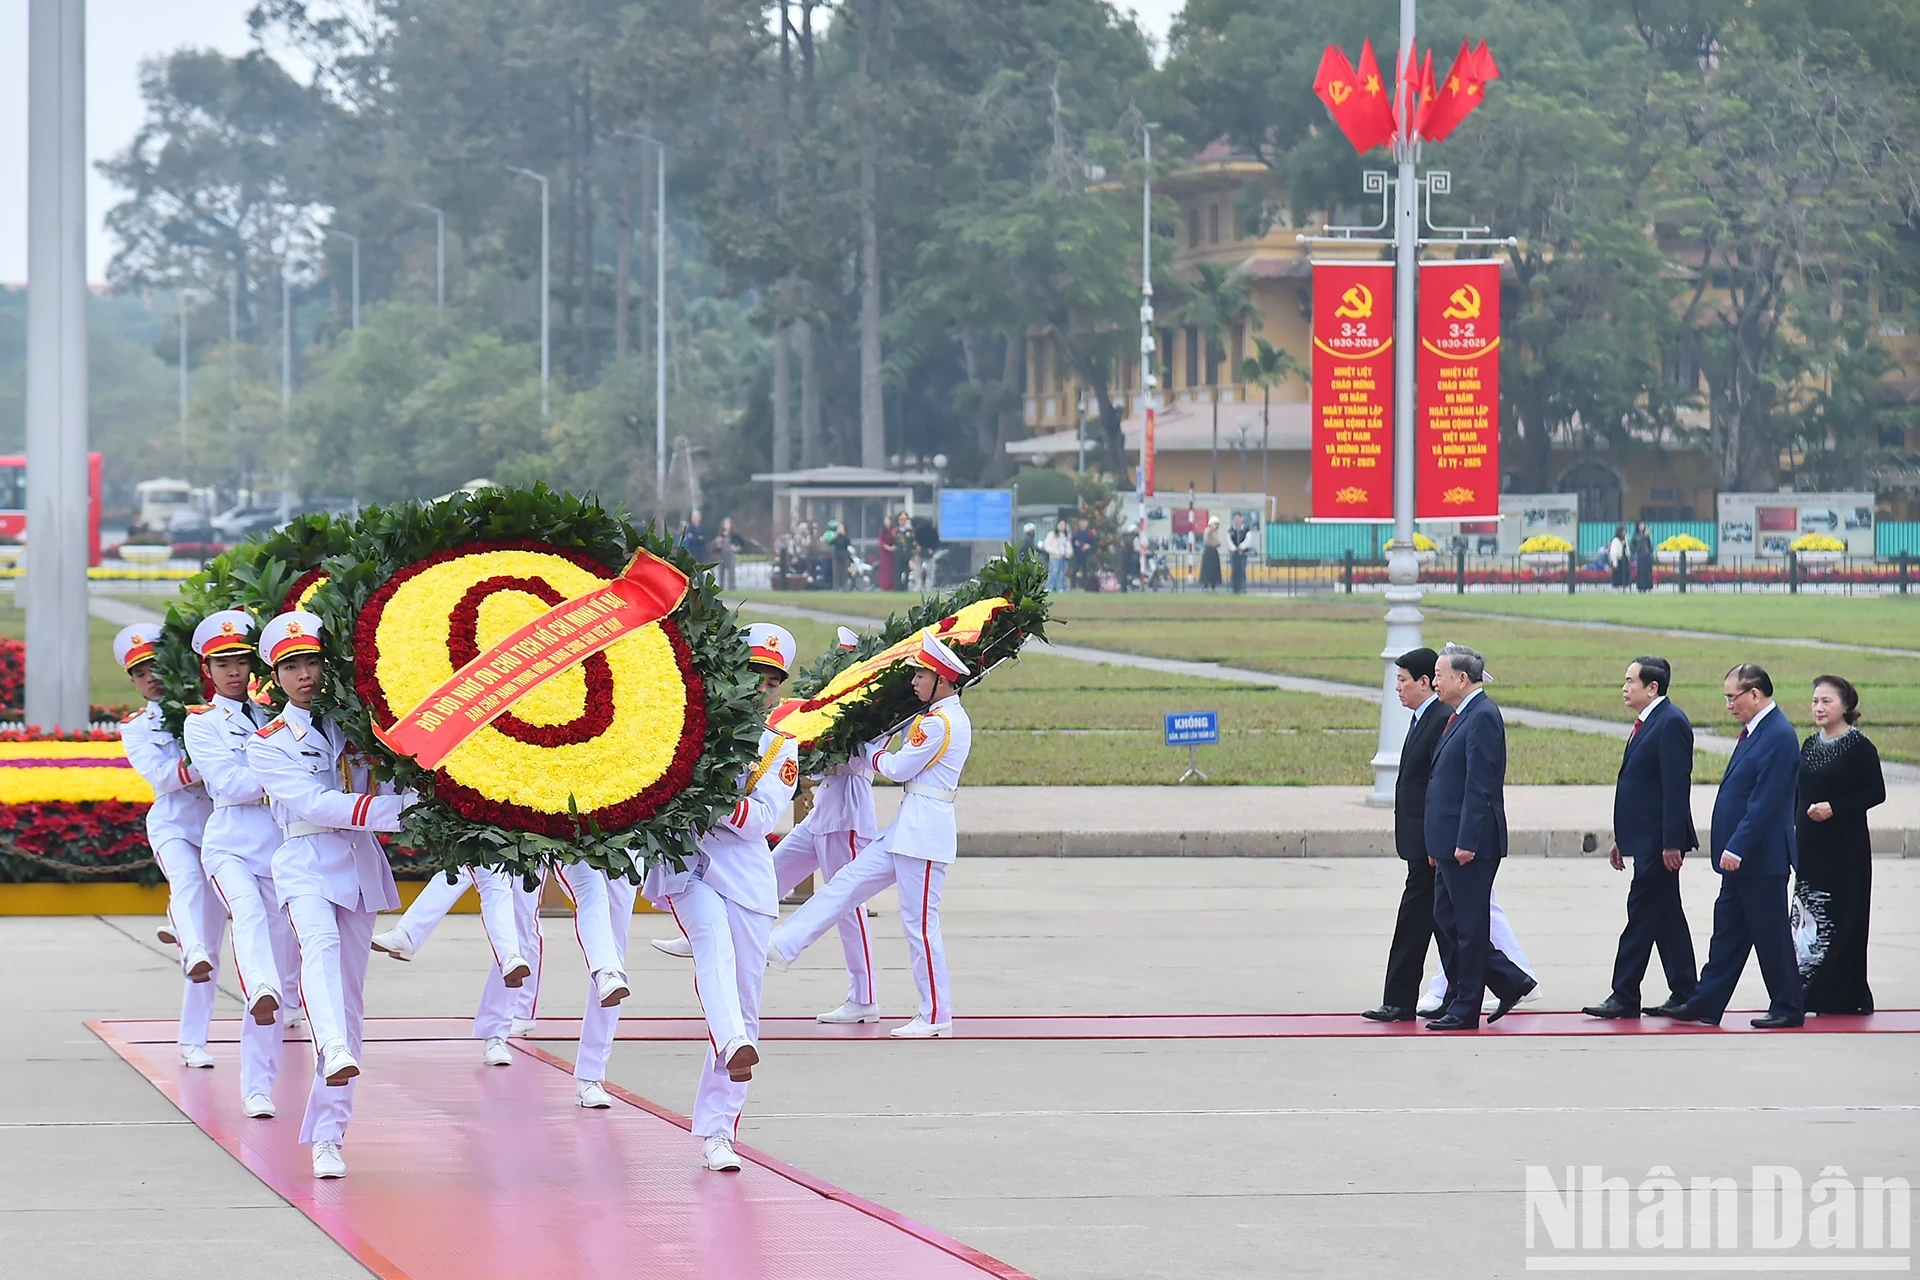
1449 724
1742 738
1634 732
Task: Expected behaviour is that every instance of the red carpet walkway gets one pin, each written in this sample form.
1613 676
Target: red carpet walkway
463 1172
1147 1026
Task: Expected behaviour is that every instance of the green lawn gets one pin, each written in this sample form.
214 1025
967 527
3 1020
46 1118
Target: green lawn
1548 667
1887 621
1052 721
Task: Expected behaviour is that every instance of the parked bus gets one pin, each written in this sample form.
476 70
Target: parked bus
13 500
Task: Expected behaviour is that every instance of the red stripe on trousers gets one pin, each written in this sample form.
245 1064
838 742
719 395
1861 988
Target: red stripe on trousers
926 893
860 914
696 987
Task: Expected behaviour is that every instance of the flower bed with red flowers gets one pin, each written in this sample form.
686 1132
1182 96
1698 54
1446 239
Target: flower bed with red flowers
68 842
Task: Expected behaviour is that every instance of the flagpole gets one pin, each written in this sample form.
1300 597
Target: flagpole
1403 569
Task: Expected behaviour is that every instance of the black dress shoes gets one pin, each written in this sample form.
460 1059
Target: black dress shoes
1390 1013
1452 1022
1612 1009
1506 1006
1671 1009
1684 1014
1774 1021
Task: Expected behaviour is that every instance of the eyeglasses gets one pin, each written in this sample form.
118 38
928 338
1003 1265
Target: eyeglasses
1735 697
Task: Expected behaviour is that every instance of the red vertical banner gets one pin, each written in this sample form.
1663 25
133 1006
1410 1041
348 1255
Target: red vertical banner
1352 391
1457 421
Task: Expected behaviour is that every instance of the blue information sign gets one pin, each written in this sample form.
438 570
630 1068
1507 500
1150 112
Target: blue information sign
1193 728
976 515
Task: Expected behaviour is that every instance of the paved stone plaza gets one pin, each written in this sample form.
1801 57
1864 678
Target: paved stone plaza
1063 1158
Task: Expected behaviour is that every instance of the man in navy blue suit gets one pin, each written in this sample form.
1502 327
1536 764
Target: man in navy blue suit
1753 850
1653 825
1466 831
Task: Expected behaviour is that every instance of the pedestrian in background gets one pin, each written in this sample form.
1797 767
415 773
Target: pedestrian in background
1239 546
694 537
1059 549
1210 555
1085 544
726 546
1840 780
1617 556
1643 556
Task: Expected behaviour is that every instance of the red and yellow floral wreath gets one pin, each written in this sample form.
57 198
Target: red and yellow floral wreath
628 789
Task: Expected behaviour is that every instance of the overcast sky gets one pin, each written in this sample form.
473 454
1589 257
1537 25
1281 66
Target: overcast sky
120 33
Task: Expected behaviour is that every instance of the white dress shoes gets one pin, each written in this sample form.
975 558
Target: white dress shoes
265 1004
395 943
259 1106
522 1026
496 1053
851 1012
327 1162
611 986
718 1155
296 1021
195 1055
740 1056
197 965
679 948
775 961
515 971
340 1066
164 932
592 1095
920 1029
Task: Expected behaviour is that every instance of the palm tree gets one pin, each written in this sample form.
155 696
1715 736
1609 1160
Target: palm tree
1267 365
1216 305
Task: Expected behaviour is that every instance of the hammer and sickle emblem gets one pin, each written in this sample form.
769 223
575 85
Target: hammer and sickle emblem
1357 303
1339 91
1463 304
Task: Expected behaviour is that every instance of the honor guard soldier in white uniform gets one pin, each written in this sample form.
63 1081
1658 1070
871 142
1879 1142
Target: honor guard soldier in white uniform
840 824
725 902
915 851
511 993
175 823
237 848
331 872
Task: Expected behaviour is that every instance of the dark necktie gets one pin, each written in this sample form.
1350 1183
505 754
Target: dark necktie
1742 738
1409 738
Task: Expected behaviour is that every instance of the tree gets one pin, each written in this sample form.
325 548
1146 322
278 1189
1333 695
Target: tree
1267 366
1216 305
1790 178
219 177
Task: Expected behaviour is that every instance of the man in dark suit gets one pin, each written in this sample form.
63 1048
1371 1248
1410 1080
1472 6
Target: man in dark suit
1753 850
1413 928
1652 825
1466 835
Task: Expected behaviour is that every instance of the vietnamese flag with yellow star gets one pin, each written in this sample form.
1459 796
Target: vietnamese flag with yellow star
1357 99
1463 89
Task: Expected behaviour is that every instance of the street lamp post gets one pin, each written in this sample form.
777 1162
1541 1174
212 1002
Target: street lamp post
546 349
659 314
286 337
439 256
182 293
1148 379
355 241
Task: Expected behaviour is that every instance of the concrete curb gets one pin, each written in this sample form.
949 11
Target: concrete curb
1564 843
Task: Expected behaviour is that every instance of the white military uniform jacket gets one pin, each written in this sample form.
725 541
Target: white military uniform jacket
928 763
735 860
326 798
241 824
843 800
180 803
